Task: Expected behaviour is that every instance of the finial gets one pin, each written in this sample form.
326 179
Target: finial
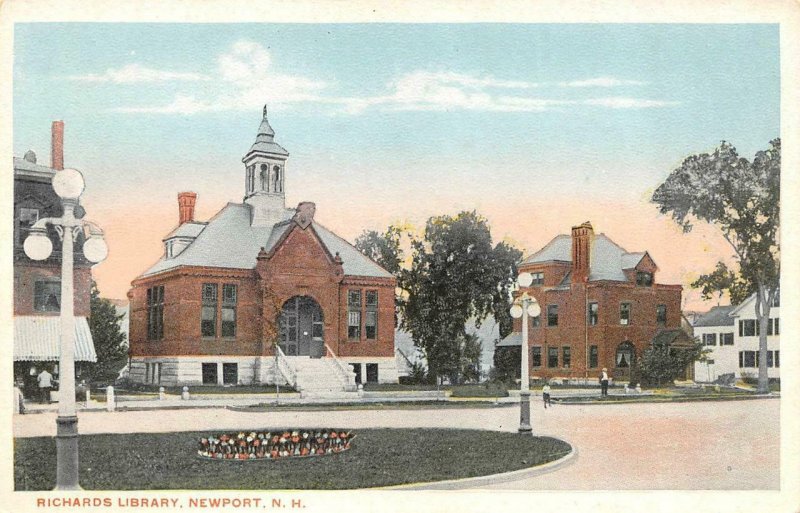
265 111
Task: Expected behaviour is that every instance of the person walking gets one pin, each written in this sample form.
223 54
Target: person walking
546 395
45 380
604 383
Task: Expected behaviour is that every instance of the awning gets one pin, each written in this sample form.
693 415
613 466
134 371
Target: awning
513 339
37 338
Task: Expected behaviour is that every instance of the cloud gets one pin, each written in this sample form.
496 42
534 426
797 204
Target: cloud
180 105
628 103
136 73
602 82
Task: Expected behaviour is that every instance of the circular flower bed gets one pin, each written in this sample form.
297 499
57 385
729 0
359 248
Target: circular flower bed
275 444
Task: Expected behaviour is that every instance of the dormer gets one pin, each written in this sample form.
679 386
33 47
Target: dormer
188 229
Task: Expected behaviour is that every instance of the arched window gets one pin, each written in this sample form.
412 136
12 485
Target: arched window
625 354
276 177
264 177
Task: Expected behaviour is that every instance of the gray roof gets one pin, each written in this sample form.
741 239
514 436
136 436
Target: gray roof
265 140
717 316
230 241
21 164
606 262
191 229
514 339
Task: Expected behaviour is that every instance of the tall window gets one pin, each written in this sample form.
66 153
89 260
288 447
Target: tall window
644 279
264 177
661 315
726 339
208 315
774 327
625 313
536 356
155 313
251 178
566 357
371 315
552 317
230 373
316 324
593 357
276 177
354 314
536 321
229 293
209 373
709 339
591 313
47 296
747 328
552 357
538 278
748 359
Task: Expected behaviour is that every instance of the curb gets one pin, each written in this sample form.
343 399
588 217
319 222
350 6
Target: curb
478 481
665 401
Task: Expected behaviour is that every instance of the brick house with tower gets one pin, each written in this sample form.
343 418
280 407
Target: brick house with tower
37 284
261 294
601 306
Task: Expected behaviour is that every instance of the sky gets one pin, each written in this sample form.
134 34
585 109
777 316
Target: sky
537 127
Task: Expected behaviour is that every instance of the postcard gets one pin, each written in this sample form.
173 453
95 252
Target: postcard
327 256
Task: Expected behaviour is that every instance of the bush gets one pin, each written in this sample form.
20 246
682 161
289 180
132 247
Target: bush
488 389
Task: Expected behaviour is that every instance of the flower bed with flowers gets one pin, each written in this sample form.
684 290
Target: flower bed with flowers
275 444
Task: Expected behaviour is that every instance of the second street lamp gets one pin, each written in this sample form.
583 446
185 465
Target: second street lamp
68 184
524 306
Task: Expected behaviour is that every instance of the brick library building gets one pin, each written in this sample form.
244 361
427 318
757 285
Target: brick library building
261 294
601 307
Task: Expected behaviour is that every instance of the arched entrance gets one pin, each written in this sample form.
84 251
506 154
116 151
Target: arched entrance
301 328
624 359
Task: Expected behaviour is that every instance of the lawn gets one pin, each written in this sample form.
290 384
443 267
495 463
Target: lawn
371 405
377 457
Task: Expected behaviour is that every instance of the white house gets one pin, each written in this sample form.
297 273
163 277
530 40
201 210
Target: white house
731 332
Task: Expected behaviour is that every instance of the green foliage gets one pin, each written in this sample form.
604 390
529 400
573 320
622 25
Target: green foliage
110 343
742 199
506 364
383 248
456 274
661 363
724 280
488 389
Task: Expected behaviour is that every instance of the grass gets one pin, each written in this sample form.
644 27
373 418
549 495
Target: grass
389 405
139 389
378 457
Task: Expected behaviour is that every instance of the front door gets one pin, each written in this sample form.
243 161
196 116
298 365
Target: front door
302 328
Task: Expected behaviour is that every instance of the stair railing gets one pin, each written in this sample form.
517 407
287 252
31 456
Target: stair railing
343 369
284 367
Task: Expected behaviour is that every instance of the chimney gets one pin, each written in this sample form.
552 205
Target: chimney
57 146
582 236
186 202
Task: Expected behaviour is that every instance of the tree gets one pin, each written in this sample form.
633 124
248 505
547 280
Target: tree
110 343
741 198
661 363
456 274
506 364
724 280
383 248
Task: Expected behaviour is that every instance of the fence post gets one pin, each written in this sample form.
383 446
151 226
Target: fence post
185 394
161 394
110 406
88 396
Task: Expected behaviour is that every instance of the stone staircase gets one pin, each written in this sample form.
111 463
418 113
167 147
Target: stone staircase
321 378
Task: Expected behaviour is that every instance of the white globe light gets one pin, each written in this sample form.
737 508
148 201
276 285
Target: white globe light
534 309
95 249
68 183
525 279
38 245
516 311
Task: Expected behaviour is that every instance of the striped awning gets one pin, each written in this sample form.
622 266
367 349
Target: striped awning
37 338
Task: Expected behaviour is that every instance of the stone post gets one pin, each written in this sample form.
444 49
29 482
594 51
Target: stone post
161 394
185 394
110 406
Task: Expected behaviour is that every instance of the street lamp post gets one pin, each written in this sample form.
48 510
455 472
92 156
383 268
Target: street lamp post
68 185
524 306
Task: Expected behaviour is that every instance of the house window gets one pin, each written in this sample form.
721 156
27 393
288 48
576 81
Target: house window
644 279
357 371
625 313
536 321
774 327
777 358
552 357
354 314
661 315
748 359
709 339
371 315
229 293
552 315
747 328
591 313
155 313
726 339
372 373
625 355
538 278
316 324
536 356
208 314
566 357
593 357
776 301
47 296
152 373
770 358
230 373
27 218
209 373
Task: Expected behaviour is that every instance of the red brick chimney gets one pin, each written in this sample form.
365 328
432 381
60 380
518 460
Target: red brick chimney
57 145
581 251
186 201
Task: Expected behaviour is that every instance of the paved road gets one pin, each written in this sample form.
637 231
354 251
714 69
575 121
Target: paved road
686 446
